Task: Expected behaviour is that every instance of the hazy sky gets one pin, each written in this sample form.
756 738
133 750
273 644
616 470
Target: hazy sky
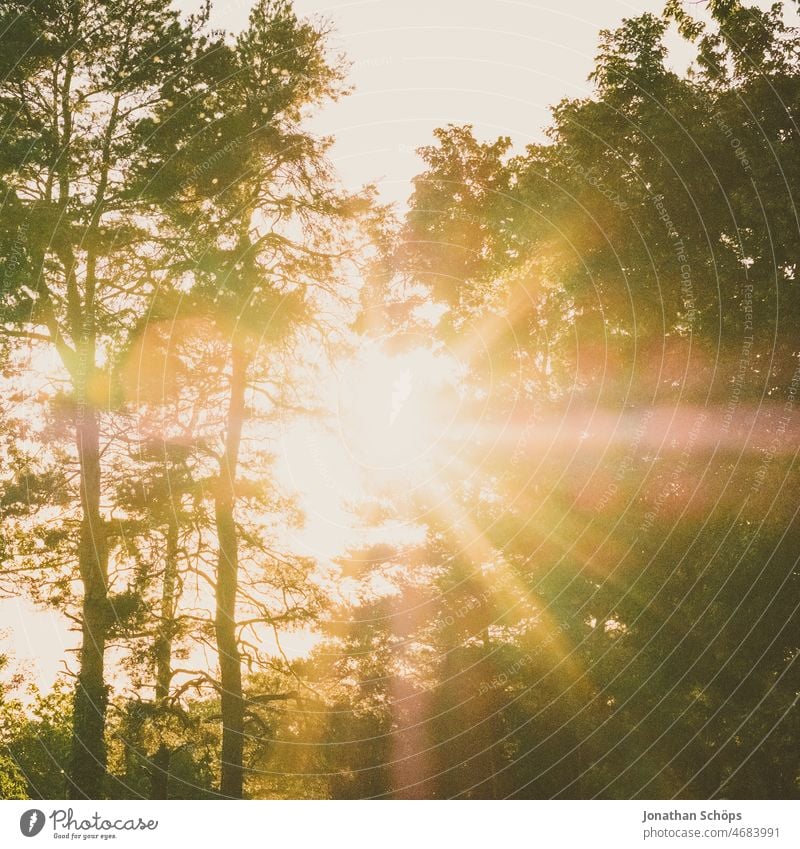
420 64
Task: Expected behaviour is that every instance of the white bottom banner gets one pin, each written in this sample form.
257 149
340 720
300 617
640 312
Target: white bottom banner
403 824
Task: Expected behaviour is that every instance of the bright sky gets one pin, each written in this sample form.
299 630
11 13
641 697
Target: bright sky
420 64
417 65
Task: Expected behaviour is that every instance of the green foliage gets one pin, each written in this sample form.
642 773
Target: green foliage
37 740
636 264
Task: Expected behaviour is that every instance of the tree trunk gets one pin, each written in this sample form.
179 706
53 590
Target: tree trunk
159 773
159 768
87 767
232 773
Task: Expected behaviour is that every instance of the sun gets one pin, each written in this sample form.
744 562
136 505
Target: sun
392 424
395 410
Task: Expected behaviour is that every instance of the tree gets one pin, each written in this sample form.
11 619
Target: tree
80 79
633 281
259 226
